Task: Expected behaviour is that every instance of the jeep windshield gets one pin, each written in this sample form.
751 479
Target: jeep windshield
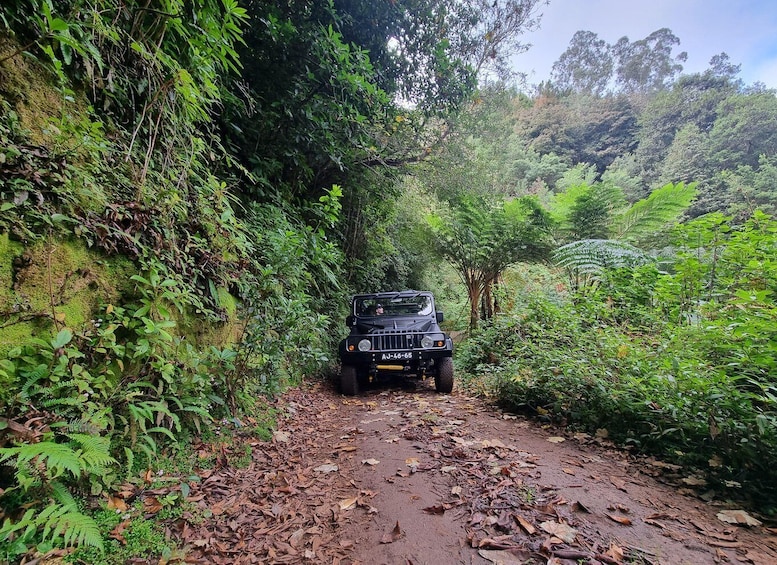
399 304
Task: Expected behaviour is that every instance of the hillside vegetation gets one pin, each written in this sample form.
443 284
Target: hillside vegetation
189 191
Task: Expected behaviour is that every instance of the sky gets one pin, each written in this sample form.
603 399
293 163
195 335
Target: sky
744 29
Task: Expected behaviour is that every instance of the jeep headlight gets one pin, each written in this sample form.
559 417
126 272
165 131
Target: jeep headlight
430 341
364 345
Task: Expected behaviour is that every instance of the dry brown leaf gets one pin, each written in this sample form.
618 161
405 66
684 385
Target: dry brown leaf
116 503
615 552
620 519
370 462
556 439
348 503
151 505
618 483
327 468
392 535
503 557
118 532
436 509
739 517
560 530
527 527
579 507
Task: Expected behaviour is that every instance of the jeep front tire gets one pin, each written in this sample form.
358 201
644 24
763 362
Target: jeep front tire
349 383
443 380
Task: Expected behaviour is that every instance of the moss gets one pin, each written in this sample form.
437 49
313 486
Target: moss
28 86
62 280
228 302
8 250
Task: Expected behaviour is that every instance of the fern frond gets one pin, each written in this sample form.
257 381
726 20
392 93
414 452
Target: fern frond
60 493
77 529
647 216
31 379
95 451
592 256
57 457
66 401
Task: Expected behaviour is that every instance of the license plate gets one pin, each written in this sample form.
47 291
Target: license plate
396 356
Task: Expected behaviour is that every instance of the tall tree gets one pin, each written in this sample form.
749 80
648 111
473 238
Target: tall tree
586 67
647 65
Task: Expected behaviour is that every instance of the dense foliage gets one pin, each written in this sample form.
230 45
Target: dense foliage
189 191
684 358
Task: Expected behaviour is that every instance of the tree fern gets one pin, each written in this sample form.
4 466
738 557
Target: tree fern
649 215
592 256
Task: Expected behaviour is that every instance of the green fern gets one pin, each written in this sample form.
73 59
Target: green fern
593 256
56 457
94 453
56 520
649 215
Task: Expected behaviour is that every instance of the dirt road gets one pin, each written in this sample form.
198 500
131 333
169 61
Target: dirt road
413 477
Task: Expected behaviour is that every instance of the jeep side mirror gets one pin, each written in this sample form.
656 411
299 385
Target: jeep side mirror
440 317
349 320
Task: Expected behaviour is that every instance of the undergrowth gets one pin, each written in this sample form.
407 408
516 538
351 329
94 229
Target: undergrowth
642 356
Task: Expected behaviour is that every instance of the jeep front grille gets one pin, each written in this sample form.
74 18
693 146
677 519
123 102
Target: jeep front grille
387 342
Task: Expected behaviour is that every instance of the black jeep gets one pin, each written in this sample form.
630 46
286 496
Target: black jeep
394 335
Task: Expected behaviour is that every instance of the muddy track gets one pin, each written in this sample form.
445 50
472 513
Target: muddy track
414 477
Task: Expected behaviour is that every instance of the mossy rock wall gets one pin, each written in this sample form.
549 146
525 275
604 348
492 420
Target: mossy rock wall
55 284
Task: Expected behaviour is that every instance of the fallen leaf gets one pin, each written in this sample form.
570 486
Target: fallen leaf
715 461
694 481
493 443
556 439
151 505
447 468
282 437
620 519
371 462
739 517
568 471
348 448
615 552
527 527
560 530
579 507
327 468
118 532
393 535
456 491
348 503
436 509
296 538
116 503
620 484
501 557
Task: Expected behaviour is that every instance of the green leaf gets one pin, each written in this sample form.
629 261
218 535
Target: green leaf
63 338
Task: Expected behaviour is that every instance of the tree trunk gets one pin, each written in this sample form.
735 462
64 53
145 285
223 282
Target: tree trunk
473 293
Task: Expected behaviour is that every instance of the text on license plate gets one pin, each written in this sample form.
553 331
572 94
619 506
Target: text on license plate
396 356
